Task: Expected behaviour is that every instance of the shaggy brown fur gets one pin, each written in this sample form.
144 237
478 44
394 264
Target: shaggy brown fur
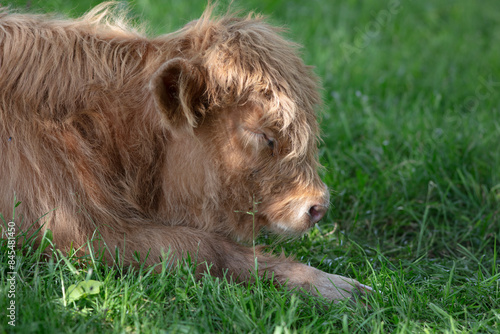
162 144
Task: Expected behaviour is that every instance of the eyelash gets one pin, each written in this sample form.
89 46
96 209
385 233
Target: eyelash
271 142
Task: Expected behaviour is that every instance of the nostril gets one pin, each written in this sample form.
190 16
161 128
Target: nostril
316 212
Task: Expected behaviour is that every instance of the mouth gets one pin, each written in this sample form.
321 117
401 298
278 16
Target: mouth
292 228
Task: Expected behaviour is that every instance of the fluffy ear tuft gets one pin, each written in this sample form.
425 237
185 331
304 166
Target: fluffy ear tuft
178 89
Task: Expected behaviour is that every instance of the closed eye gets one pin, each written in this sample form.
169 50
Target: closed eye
270 141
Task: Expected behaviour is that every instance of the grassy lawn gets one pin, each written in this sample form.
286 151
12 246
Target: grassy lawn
411 130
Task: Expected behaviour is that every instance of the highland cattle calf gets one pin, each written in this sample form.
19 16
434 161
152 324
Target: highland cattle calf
162 145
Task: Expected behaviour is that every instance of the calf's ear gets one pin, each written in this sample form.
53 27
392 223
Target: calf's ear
178 89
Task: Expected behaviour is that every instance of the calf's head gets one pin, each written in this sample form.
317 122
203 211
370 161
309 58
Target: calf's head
236 94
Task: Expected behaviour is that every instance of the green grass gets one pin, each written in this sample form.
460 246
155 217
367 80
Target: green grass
411 133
